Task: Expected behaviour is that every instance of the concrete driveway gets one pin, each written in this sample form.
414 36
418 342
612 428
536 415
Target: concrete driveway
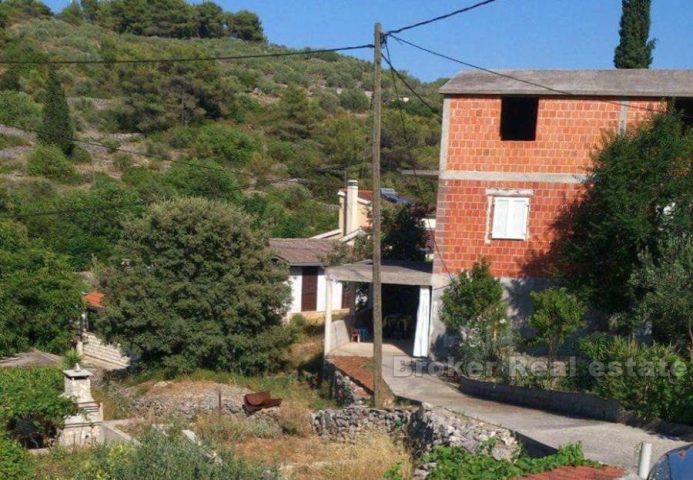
610 443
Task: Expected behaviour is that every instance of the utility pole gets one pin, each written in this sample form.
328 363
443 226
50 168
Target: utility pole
377 286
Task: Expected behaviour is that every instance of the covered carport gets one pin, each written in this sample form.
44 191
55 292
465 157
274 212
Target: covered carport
393 272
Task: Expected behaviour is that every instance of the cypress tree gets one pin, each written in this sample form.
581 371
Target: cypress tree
57 128
634 50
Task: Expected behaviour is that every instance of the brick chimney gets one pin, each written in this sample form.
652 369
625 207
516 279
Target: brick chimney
351 213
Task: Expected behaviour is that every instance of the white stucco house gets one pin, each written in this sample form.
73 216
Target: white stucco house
305 258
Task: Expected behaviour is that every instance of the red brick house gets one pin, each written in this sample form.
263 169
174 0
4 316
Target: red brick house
514 153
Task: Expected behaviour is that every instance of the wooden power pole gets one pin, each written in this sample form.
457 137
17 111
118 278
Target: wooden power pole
378 386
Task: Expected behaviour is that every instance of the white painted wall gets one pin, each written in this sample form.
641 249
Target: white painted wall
296 283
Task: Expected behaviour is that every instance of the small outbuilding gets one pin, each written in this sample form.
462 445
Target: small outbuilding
306 260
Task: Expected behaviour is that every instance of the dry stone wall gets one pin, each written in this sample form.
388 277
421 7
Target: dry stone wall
421 429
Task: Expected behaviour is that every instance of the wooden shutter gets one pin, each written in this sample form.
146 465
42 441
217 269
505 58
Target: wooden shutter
309 289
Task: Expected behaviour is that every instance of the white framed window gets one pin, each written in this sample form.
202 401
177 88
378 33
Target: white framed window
510 216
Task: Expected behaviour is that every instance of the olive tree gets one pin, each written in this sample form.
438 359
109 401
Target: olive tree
195 286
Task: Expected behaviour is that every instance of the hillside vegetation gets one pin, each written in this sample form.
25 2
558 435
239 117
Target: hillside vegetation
276 136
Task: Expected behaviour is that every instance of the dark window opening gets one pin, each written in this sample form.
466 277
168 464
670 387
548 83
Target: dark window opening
519 118
684 107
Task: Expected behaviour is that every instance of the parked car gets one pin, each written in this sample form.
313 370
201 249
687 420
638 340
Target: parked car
676 464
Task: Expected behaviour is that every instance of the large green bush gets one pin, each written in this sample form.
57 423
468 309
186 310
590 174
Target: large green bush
653 381
50 162
473 304
33 395
199 289
638 193
40 297
556 315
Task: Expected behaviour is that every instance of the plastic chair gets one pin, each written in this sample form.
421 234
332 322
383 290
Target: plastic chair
356 335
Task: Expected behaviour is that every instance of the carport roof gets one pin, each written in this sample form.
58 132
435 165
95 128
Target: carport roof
393 272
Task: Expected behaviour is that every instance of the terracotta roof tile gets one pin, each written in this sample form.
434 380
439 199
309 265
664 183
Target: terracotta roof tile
578 473
94 299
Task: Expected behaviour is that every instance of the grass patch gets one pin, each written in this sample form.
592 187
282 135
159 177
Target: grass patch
115 407
311 458
9 141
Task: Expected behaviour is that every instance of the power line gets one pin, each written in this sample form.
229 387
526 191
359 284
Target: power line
441 17
521 80
185 59
399 75
405 133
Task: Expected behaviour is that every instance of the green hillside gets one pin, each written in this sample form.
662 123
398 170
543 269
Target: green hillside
275 135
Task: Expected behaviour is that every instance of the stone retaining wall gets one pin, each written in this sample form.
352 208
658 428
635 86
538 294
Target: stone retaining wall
421 429
343 389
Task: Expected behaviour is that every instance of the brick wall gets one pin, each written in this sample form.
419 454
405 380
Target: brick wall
569 132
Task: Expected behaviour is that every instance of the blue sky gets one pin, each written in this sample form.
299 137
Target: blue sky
504 34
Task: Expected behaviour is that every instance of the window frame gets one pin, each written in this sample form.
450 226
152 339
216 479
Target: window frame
508 234
507 131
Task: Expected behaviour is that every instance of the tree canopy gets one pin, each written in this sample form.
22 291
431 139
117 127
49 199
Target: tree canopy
40 297
197 288
56 127
639 192
635 48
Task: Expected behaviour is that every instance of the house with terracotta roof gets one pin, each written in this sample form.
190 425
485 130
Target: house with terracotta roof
306 256
516 148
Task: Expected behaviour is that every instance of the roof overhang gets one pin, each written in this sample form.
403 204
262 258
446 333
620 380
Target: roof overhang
392 272
646 83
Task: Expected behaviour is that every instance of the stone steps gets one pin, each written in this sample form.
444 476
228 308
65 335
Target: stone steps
94 348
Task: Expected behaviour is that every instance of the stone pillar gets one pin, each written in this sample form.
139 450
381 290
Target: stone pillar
85 428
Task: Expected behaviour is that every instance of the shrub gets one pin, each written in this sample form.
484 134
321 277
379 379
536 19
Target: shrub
653 381
473 303
15 463
166 455
354 99
80 155
222 302
668 301
33 395
233 428
556 315
122 161
208 179
453 463
17 109
224 144
50 162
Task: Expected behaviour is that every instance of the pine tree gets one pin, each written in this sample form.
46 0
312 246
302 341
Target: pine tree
634 50
57 128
